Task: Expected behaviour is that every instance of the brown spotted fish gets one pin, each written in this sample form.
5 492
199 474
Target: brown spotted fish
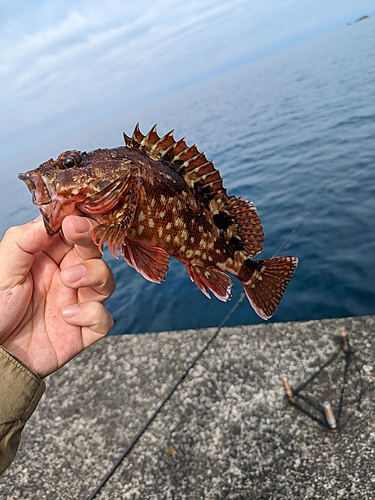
157 198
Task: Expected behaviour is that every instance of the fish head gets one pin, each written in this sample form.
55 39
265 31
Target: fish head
92 182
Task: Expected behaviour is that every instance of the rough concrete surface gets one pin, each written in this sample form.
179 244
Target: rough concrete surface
228 432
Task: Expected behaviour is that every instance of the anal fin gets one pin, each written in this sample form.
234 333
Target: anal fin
151 262
210 278
268 282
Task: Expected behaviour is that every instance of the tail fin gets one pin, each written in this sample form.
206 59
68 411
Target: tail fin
268 282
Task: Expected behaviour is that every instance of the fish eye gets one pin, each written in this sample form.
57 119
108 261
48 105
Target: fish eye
69 162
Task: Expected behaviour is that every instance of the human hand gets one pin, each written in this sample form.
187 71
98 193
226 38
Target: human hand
51 293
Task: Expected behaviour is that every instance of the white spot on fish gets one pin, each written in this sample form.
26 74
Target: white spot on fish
140 229
160 232
151 223
141 216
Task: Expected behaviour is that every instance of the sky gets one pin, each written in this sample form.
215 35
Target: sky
65 65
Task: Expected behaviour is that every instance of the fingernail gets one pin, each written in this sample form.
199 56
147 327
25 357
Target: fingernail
75 273
81 224
71 311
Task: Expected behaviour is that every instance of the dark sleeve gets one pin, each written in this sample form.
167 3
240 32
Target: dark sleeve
20 392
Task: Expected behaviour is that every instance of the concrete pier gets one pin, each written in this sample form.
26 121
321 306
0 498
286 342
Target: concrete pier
228 432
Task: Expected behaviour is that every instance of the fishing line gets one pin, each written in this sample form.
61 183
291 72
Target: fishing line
286 241
151 418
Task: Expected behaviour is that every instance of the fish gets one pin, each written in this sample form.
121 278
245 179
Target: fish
156 198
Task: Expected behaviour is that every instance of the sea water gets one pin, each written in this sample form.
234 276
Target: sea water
294 133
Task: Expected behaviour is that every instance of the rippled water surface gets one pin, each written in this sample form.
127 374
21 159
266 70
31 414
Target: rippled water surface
293 132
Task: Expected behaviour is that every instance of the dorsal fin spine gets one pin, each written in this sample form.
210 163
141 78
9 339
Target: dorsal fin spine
176 148
194 162
167 151
204 169
163 144
209 177
149 139
137 136
186 153
128 140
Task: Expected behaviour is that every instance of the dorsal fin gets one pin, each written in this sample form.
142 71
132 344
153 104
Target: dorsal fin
192 164
249 228
151 143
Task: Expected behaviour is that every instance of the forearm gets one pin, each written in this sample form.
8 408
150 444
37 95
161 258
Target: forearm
20 392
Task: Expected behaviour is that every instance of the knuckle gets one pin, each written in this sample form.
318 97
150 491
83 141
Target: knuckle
104 321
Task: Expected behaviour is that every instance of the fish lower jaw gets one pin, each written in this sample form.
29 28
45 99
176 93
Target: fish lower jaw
54 213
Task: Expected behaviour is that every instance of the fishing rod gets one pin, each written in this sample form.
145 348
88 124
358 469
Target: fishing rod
184 374
165 399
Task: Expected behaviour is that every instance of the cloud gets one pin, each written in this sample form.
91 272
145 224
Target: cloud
65 65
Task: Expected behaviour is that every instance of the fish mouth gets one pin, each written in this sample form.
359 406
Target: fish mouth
54 208
37 187
28 181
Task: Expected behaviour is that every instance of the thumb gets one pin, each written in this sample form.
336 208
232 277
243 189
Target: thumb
17 251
